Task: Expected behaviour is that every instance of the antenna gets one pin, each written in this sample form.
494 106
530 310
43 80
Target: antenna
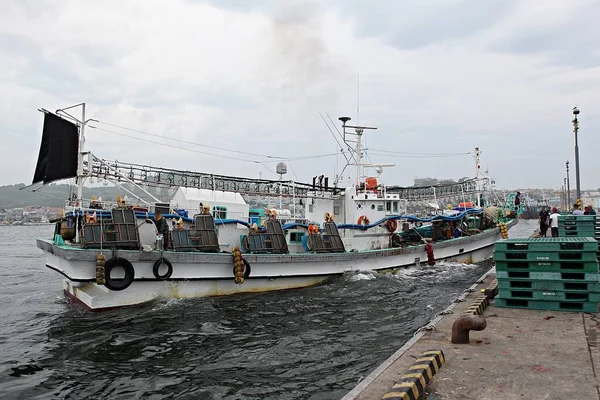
356 138
357 97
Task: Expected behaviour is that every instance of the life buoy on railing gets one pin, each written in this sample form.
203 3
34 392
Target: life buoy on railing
156 267
118 284
391 225
363 220
313 229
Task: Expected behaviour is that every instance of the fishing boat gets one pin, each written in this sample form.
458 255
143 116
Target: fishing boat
111 254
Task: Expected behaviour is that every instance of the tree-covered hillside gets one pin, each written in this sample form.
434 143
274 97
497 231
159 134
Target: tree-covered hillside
49 196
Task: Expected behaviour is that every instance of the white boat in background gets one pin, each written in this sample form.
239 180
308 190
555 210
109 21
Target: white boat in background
111 254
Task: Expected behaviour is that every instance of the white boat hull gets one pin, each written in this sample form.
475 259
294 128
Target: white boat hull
204 274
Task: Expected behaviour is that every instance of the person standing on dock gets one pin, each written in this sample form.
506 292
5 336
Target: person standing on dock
576 210
589 210
554 222
162 227
544 215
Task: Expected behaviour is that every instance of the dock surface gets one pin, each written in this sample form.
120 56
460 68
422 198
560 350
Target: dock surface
521 354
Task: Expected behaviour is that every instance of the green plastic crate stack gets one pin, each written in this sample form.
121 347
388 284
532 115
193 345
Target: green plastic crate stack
558 274
577 226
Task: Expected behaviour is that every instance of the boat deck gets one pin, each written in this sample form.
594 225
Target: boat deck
521 354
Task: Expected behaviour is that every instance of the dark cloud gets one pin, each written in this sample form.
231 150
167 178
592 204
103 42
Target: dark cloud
572 41
413 24
403 24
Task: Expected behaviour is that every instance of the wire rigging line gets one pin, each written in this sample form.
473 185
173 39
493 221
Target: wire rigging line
173 146
420 154
292 169
267 168
300 158
272 158
192 143
349 148
334 137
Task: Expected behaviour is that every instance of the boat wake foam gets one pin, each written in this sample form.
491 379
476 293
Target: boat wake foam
363 276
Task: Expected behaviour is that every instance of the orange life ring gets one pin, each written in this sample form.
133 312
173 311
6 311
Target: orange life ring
391 225
363 218
313 229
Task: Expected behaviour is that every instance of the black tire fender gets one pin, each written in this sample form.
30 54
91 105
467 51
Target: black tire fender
118 284
247 269
156 267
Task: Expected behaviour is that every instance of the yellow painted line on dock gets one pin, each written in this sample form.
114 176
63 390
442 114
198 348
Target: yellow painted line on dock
412 385
478 306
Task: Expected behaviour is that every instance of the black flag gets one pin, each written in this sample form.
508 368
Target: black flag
58 150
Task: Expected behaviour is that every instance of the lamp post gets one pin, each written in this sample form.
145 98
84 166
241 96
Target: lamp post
564 195
576 130
568 187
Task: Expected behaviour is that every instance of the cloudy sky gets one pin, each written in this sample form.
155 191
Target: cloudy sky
435 77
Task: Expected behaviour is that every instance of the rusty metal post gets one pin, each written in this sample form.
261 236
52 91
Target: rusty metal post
463 325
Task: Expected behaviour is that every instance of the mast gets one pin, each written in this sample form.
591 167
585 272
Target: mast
80 171
477 171
359 153
80 178
358 146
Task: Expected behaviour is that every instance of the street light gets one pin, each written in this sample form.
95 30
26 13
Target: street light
576 130
563 196
568 187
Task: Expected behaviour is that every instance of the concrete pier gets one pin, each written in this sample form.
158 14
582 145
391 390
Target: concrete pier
521 354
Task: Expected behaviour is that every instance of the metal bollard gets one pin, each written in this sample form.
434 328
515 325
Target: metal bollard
463 325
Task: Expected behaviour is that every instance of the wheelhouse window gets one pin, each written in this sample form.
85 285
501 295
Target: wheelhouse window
395 207
388 206
296 237
219 212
